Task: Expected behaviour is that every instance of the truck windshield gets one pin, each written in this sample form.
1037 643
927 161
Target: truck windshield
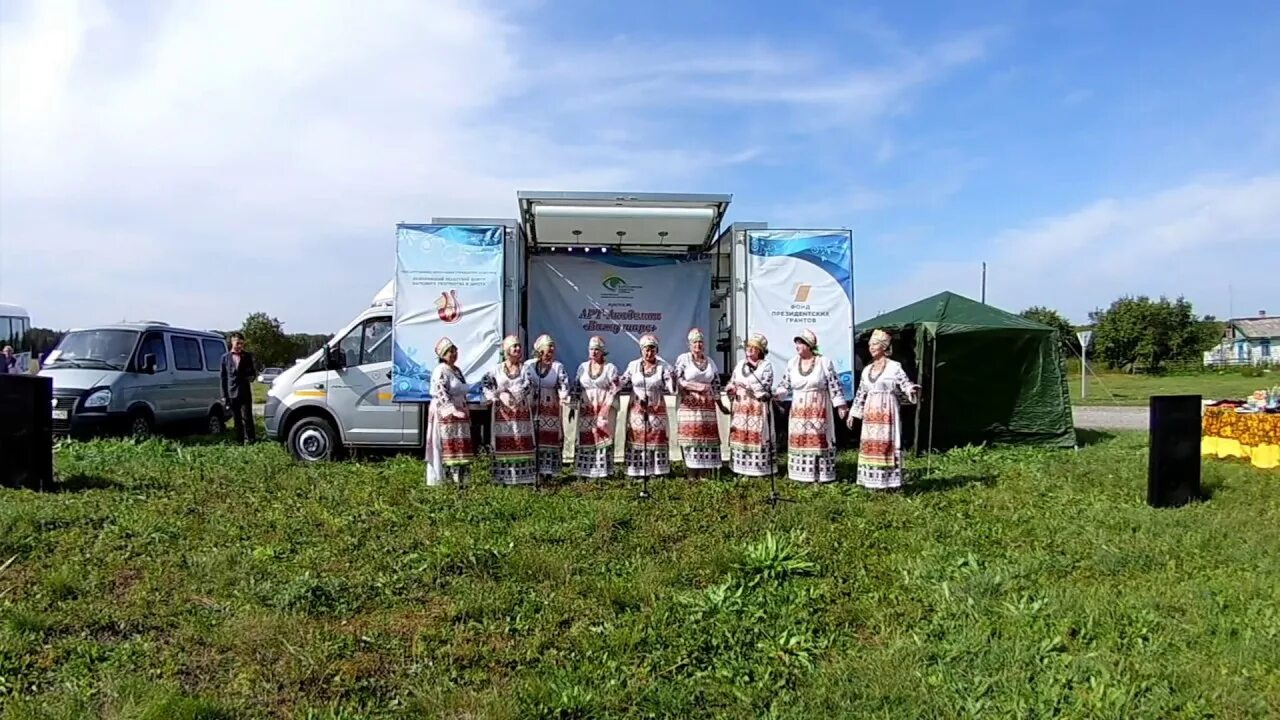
94 349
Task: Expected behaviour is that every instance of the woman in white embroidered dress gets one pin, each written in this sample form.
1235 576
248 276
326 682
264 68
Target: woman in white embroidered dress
550 387
595 388
506 387
884 387
649 380
814 387
449 452
697 424
751 435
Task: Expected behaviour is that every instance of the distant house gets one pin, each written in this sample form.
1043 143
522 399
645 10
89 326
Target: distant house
1248 341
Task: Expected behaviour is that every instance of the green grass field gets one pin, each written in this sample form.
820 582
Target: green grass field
260 393
1137 389
183 581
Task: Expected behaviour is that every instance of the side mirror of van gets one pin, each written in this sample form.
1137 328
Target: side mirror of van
149 364
335 359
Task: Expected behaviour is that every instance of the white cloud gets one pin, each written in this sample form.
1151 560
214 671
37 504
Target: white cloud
1194 240
225 156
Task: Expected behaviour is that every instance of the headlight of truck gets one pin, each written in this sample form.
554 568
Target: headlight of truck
98 399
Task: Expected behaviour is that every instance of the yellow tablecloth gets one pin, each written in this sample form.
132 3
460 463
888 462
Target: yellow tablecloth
1227 433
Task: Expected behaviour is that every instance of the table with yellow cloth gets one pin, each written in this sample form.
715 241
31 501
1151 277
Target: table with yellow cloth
1256 436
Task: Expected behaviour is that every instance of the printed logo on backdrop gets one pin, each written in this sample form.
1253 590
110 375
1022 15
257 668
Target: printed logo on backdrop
800 314
615 287
448 283
448 308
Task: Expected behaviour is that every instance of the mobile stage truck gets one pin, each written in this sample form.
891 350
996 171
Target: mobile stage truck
571 265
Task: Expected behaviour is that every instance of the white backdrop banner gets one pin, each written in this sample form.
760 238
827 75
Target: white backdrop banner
798 279
448 284
619 298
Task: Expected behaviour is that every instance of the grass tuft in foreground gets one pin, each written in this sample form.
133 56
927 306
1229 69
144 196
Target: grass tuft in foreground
188 581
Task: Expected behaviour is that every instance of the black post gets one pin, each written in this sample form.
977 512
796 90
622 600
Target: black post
1173 464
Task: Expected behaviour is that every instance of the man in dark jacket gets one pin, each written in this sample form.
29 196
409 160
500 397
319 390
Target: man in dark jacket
238 372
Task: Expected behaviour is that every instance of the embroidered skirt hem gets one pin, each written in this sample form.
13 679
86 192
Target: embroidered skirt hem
593 462
880 477
812 466
752 462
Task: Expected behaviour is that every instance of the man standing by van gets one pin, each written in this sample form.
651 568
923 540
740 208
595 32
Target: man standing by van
238 371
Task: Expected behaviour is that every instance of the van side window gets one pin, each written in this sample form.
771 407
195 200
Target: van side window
213 352
377 341
186 354
367 343
153 344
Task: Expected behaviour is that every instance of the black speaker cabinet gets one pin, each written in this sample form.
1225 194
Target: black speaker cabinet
1173 466
26 431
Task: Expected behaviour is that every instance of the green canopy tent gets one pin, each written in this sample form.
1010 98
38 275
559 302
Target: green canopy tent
986 375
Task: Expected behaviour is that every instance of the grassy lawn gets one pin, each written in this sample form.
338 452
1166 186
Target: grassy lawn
189 580
260 393
1137 389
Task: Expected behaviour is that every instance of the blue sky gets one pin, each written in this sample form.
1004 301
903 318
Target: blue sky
203 160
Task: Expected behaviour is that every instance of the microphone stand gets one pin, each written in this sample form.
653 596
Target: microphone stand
536 414
644 437
771 452
770 443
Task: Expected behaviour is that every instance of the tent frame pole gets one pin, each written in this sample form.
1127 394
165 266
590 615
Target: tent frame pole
933 387
920 366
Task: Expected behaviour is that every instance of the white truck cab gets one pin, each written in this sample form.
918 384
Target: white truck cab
341 396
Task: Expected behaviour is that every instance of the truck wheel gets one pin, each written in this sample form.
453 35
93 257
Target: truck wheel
313 439
141 426
216 423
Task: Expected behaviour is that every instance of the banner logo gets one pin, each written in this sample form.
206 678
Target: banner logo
447 307
802 292
616 287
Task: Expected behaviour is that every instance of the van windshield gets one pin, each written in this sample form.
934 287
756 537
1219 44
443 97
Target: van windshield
94 349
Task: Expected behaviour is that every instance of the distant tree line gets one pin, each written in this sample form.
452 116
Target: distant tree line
1138 334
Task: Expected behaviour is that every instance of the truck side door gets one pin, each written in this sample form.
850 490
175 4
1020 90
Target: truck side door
360 393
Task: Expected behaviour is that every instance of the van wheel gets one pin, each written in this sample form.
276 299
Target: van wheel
141 426
217 423
313 439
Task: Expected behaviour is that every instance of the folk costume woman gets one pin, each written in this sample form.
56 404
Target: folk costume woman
449 453
649 380
507 388
814 387
550 387
751 436
595 388
697 424
884 387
